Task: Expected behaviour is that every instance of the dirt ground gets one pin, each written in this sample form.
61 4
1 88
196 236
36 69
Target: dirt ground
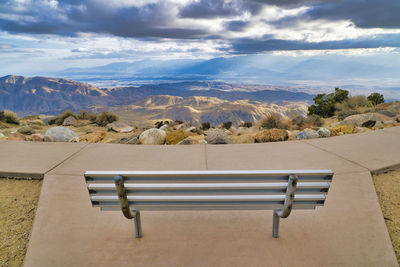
18 202
387 187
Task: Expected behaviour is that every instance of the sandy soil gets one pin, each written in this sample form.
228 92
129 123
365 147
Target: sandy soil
388 189
18 202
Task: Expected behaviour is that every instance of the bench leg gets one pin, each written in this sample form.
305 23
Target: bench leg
275 225
138 225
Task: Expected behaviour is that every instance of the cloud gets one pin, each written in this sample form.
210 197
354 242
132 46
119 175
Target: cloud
251 46
218 8
70 18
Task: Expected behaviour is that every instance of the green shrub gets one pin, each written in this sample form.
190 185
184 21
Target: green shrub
9 117
175 137
227 125
324 104
205 126
92 117
376 98
60 118
105 118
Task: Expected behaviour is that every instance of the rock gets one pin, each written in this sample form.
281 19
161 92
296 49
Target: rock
185 142
362 120
130 140
271 135
26 130
323 132
191 129
70 121
2 137
202 142
378 125
37 137
307 134
119 127
292 134
47 120
152 136
16 136
164 127
398 118
48 138
344 129
228 132
361 129
62 134
217 136
94 137
175 137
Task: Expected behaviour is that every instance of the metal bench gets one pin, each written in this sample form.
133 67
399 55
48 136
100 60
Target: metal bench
280 191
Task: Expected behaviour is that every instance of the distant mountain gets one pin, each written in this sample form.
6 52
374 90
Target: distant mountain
40 95
190 101
250 68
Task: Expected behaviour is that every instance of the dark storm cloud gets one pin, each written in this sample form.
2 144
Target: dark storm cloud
250 46
363 13
218 8
72 17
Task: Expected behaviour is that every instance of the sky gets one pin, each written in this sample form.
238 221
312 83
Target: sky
38 36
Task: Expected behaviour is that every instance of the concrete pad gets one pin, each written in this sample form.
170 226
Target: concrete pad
348 231
110 157
275 156
373 150
2 141
28 159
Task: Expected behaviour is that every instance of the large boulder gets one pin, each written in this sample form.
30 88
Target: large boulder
16 136
362 120
271 135
152 136
323 132
69 121
119 127
47 138
62 134
217 136
307 134
26 130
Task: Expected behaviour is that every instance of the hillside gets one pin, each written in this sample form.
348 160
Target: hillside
187 101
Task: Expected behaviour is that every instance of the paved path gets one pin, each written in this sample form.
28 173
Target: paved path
348 231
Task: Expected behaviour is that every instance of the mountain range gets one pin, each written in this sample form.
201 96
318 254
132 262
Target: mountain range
193 101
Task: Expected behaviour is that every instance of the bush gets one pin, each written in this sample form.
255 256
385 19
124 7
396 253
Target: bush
60 118
307 122
9 117
84 115
376 98
105 118
324 104
92 117
158 124
353 105
175 137
227 125
205 126
273 121
246 124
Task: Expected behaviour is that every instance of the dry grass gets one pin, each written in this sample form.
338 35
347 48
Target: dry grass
18 203
388 190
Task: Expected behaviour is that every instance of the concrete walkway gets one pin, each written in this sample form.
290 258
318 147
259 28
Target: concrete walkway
348 231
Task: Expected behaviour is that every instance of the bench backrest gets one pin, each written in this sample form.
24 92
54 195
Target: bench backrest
208 190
